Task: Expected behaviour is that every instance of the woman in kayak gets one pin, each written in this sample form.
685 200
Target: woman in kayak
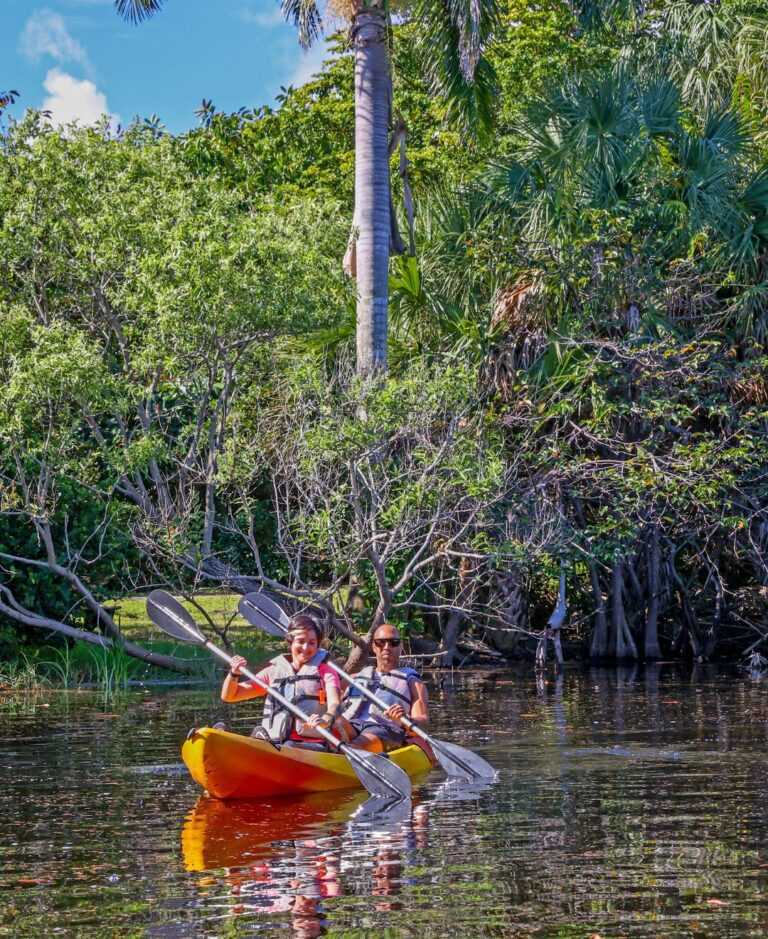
370 728
303 676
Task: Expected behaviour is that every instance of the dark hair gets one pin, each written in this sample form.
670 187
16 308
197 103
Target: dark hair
304 621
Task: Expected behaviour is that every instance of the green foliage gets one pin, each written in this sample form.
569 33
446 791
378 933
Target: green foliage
578 345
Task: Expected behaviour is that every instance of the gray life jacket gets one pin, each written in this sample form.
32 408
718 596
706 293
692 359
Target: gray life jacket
301 688
391 687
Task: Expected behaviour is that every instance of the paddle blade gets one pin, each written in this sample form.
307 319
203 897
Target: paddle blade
376 813
263 613
167 613
461 763
380 776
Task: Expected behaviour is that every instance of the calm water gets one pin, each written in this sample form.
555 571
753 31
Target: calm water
628 804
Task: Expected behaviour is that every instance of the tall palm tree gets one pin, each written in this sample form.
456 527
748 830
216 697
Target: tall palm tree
453 36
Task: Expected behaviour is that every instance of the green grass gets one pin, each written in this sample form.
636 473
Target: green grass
131 616
18 676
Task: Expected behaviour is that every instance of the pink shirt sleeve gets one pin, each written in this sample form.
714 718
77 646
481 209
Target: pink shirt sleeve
329 676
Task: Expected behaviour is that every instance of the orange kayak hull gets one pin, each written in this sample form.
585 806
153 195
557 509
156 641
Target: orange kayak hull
231 766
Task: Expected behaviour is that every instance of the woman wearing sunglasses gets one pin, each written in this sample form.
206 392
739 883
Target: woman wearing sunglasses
402 689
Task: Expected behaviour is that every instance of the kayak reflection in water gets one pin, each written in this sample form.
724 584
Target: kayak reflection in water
303 676
369 727
272 868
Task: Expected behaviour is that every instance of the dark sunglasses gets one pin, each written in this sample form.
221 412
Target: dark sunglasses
380 643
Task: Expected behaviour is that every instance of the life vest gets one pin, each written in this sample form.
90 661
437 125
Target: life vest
391 687
303 688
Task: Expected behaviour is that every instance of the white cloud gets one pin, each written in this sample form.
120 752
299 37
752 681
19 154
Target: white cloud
309 64
45 34
267 20
71 99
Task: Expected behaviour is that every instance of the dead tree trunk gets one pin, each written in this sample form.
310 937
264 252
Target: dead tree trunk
623 642
513 611
448 652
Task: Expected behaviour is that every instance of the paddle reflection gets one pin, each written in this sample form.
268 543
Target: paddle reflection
286 857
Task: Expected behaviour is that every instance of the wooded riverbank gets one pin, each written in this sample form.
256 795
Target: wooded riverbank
578 342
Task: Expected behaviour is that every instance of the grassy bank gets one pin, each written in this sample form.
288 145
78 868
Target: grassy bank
80 665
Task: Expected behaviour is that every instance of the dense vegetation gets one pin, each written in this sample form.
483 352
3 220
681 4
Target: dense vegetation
578 345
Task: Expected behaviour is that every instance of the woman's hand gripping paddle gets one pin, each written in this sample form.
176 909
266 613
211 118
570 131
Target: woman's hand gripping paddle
457 761
380 776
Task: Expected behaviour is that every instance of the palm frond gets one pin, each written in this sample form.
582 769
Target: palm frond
755 195
305 16
598 15
706 46
453 39
137 10
748 311
723 132
660 106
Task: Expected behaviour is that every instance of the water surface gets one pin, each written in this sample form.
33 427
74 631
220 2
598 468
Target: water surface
628 804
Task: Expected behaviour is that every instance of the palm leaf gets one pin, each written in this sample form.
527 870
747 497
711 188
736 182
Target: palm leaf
723 132
755 195
305 16
453 37
660 106
137 10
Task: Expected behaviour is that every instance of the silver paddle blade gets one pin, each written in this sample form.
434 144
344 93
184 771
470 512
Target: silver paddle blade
380 776
264 613
461 763
375 813
166 612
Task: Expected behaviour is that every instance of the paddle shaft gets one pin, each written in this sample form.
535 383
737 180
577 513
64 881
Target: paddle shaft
283 701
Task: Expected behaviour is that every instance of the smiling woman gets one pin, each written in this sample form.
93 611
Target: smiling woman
303 676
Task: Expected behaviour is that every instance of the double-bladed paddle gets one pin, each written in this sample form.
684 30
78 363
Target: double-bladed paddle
260 610
380 776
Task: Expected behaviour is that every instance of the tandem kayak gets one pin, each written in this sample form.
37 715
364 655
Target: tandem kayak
231 766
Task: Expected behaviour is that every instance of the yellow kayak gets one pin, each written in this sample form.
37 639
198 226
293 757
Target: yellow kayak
231 766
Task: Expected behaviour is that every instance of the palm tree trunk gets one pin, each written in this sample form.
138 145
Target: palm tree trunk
372 202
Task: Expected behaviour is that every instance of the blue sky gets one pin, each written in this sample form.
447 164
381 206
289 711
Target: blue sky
77 58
